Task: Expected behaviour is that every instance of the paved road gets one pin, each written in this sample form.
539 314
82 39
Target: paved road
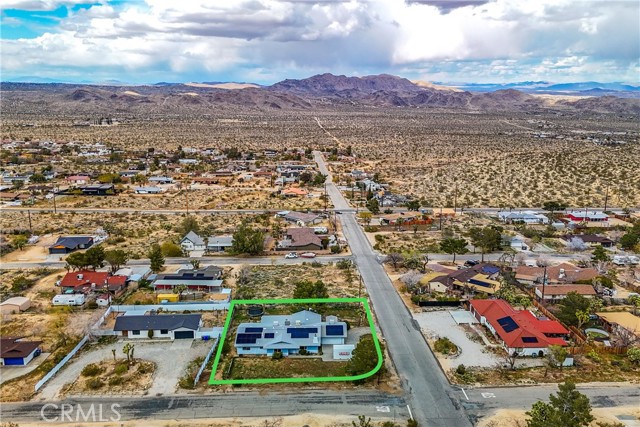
204 261
429 395
236 404
482 401
147 211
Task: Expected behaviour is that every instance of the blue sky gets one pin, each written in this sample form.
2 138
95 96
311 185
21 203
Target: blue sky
265 41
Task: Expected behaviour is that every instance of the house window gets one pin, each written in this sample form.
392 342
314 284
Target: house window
246 348
135 332
164 331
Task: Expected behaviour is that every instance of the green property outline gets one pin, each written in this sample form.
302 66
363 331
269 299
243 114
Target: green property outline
216 362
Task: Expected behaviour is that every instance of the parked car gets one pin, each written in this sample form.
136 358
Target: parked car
471 262
308 255
291 255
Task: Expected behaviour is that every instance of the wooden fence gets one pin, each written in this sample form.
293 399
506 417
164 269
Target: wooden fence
597 349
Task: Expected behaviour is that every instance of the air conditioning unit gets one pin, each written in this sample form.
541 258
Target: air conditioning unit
298 323
276 323
79 276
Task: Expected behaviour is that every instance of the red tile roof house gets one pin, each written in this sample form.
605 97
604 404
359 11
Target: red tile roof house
85 281
15 352
519 330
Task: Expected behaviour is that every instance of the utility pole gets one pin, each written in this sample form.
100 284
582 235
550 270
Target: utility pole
606 197
29 215
186 193
325 197
54 201
544 282
440 217
455 198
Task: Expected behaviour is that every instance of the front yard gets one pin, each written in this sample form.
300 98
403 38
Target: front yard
288 367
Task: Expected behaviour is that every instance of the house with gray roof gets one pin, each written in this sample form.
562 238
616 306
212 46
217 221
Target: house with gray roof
192 242
526 217
289 334
172 326
207 279
66 244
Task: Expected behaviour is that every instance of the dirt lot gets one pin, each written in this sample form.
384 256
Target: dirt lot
515 418
115 377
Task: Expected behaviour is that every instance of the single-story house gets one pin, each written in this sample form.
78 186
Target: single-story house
160 180
84 281
562 273
219 243
205 279
623 319
558 292
172 326
519 330
479 278
303 239
527 217
148 190
395 218
294 192
192 242
16 352
78 179
590 239
66 244
300 218
587 216
15 305
434 282
289 334
104 300
97 189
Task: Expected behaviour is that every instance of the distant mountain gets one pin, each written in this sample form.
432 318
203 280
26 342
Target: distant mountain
34 79
324 92
550 88
329 84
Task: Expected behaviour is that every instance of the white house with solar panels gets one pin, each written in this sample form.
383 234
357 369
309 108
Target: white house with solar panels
289 334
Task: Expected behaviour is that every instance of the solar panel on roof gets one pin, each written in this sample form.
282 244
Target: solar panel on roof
253 329
335 329
247 338
301 332
529 339
269 335
508 324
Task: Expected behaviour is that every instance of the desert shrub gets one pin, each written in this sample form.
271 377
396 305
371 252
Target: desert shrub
633 354
92 304
593 355
143 369
91 370
186 382
461 370
277 355
115 380
303 352
121 368
94 383
445 346
371 229
336 249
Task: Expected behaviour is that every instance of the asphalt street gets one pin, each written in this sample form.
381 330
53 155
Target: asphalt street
432 400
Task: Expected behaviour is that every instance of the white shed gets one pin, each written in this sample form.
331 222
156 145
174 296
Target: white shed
15 305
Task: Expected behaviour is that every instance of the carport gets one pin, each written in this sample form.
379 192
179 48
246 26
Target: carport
462 317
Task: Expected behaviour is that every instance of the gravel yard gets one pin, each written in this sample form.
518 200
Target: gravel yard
171 358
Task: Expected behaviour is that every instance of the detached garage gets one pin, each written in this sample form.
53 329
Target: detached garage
15 305
171 326
15 352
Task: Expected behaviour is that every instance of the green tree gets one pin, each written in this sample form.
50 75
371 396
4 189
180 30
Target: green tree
190 223
37 178
553 206
629 241
557 355
413 205
373 206
633 354
116 258
20 283
364 358
308 289
366 217
454 246
570 306
487 239
247 240
20 241
171 250
568 408
600 254
95 256
77 261
362 422
156 258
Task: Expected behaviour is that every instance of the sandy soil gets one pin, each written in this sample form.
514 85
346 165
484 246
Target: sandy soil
514 418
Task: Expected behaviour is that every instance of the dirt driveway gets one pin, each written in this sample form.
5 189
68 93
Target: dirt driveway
171 358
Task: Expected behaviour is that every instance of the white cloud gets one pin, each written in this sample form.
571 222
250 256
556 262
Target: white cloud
40 5
504 38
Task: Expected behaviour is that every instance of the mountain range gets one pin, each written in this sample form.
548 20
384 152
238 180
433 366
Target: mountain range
327 91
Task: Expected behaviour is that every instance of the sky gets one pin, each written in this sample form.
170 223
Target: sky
265 41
